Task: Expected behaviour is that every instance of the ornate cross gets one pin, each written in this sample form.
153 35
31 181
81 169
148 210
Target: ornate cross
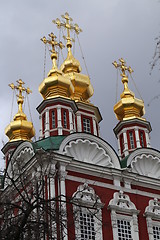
52 42
122 66
20 89
67 24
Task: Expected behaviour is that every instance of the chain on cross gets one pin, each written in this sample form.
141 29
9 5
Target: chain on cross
67 24
122 66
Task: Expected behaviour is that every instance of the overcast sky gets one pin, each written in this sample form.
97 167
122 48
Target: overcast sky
111 29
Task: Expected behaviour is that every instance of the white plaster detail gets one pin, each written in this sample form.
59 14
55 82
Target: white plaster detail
141 151
79 123
125 144
47 134
99 152
90 152
152 214
94 126
123 209
137 138
59 121
146 165
86 201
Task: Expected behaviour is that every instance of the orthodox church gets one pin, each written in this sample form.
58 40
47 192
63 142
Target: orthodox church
115 195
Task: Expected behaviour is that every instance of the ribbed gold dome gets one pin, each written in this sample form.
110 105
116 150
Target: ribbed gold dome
71 68
128 107
55 84
20 128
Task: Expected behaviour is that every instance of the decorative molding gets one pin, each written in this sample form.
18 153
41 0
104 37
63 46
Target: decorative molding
87 203
90 152
152 214
153 209
140 151
122 203
146 165
92 145
123 209
85 195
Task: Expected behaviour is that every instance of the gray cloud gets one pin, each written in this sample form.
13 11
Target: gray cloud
111 29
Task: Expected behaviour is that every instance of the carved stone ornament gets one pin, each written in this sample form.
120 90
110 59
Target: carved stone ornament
86 195
146 165
87 151
153 209
121 202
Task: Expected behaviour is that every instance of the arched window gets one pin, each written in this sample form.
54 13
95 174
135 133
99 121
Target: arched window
123 217
87 214
152 214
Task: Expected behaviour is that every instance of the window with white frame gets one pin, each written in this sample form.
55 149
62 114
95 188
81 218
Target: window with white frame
86 125
87 214
123 217
152 214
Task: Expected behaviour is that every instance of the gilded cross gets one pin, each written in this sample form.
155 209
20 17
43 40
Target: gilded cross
122 66
67 24
20 90
52 41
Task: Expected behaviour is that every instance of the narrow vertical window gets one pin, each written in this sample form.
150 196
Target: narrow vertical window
86 125
53 119
142 138
65 119
131 139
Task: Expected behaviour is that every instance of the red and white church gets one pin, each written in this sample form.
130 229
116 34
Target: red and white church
123 185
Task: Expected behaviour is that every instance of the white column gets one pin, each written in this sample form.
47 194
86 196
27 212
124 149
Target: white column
79 123
47 134
71 121
59 121
52 180
63 210
94 126
119 148
40 130
126 152
137 138
147 139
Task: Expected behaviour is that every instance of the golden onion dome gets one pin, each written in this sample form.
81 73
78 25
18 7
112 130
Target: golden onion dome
71 68
20 128
55 84
128 107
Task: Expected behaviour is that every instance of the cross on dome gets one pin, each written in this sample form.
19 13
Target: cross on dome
67 24
20 90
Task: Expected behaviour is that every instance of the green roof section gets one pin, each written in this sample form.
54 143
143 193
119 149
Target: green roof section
48 143
123 162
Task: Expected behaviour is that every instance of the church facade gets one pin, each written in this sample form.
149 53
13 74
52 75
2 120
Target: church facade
98 192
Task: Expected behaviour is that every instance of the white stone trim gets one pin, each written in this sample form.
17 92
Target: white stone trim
59 121
47 133
152 214
140 151
125 150
86 200
121 205
102 144
79 122
113 187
